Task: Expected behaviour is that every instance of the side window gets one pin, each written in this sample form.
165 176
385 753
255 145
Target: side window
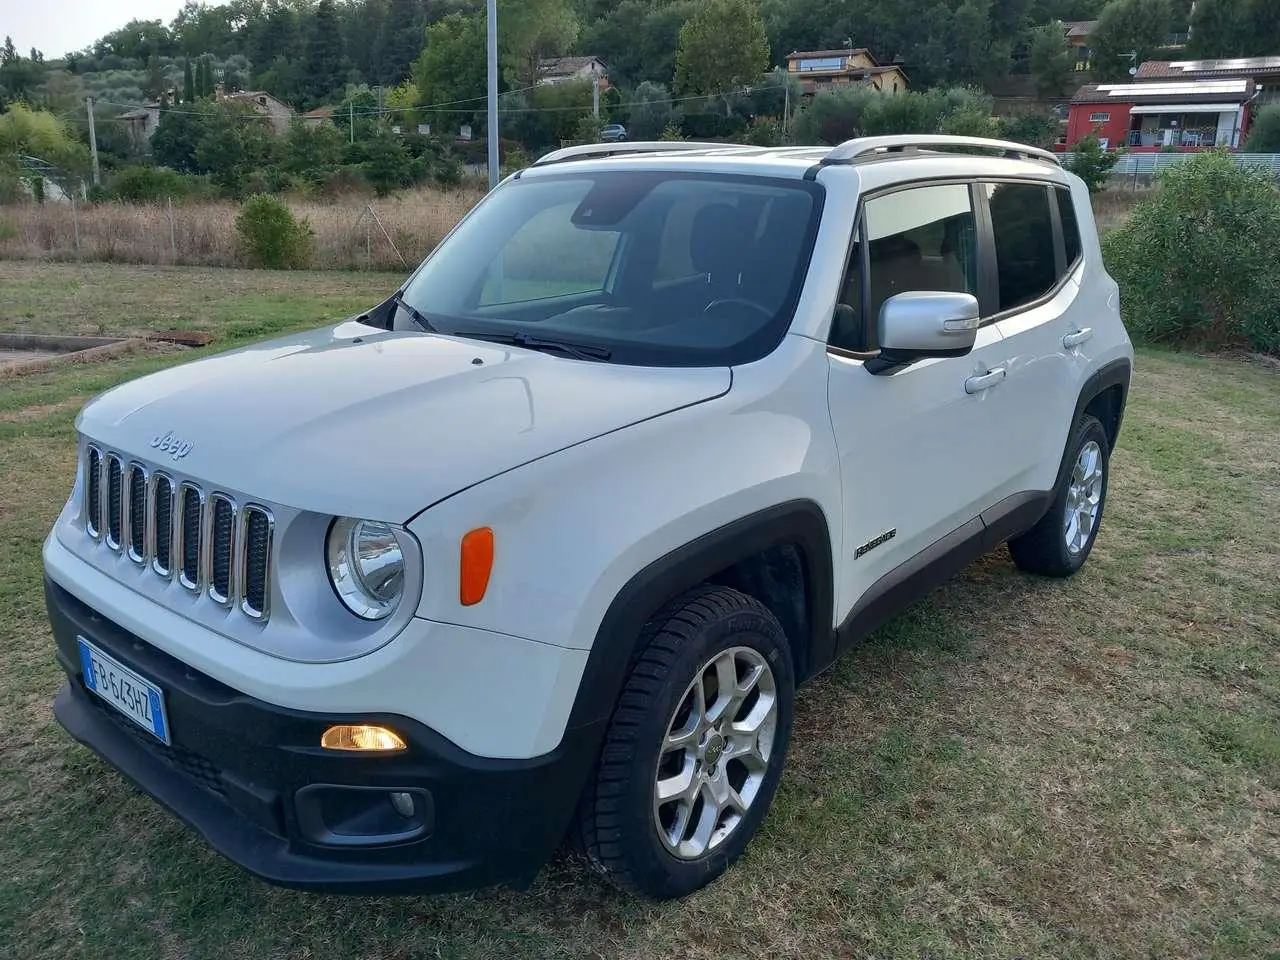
1023 228
920 238
549 257
1070 226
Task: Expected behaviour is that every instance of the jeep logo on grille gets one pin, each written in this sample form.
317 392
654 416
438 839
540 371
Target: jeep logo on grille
168 443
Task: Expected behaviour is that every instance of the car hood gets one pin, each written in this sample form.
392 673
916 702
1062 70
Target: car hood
355 420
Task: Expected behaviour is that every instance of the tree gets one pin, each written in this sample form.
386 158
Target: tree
1091 163
451 70
234 141
176 137
1050 59
324 62
531 30
638 39
38 133
722 47
387 164
651 111
1124 27
398 41
188 82
310 150
19 75
1264 135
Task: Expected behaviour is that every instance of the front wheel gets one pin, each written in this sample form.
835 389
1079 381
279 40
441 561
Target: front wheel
695 747
1060 543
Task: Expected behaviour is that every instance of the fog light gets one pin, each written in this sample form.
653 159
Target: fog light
403 804
361 737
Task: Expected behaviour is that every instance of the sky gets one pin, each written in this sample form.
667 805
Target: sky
56 27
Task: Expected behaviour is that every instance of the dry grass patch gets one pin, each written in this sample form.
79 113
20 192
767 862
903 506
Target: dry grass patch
204 234
1015 768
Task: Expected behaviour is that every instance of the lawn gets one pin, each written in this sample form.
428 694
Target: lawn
1017 768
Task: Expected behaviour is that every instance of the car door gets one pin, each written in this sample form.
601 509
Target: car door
920 449
1036 246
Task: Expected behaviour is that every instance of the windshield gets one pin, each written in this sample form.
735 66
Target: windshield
655 267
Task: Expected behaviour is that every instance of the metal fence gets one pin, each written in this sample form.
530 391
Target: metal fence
1140 169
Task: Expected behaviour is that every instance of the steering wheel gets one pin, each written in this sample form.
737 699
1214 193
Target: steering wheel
737 301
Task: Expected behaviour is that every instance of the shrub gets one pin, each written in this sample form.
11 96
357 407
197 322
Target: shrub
1091 163
271 235
1196 262
143 184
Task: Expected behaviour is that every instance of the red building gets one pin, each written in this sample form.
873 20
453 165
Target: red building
1154 115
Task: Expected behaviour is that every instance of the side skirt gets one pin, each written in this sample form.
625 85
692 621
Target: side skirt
938 563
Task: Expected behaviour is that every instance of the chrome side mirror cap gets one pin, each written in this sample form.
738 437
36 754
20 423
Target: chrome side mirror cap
926 323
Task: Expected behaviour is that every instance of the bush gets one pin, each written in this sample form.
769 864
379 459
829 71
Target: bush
271 235
142 184
1091 163
1196 263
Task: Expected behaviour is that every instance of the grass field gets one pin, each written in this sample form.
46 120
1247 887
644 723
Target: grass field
1017 768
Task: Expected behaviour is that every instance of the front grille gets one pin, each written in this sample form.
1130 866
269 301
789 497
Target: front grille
115 504
93 493
208 541
162 525
137 513
222 541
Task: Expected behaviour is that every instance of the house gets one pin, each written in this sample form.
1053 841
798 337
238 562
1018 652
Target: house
279 113
1158 114
318 116
141 123
826 69
1263 71
1078 33
561 69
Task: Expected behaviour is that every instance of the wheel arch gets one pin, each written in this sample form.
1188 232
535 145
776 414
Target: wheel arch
1104 395
762 554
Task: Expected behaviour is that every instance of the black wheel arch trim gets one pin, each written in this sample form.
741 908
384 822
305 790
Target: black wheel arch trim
1115 373
801 523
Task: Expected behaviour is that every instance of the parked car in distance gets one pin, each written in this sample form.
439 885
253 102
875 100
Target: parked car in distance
541 547
614 132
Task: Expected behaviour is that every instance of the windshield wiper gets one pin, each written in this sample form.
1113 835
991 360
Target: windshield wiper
417 315
579 351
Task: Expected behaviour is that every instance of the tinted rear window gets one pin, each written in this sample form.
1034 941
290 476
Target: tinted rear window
1023 228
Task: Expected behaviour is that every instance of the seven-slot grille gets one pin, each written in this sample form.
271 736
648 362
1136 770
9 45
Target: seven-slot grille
208 541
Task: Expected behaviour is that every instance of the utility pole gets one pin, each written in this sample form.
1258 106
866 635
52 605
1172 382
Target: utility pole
93 139
351 120
595 96
492 18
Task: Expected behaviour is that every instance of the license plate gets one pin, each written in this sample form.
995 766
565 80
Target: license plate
137 698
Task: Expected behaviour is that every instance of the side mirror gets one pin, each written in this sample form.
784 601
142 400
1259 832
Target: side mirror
926 323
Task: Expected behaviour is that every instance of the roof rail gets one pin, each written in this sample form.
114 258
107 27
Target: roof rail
586 151
860 148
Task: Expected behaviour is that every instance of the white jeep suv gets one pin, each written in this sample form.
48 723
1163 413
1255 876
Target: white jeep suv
539 548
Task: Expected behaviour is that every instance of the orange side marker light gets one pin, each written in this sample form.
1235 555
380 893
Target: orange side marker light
477 563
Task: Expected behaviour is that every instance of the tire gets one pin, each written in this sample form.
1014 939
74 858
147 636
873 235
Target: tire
1055 547
620 824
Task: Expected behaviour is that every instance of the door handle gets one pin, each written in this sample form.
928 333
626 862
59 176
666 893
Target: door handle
984 381
1077 338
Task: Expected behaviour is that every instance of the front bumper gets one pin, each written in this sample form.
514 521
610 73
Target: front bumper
252 779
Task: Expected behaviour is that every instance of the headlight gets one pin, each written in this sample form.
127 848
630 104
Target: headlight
366 566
